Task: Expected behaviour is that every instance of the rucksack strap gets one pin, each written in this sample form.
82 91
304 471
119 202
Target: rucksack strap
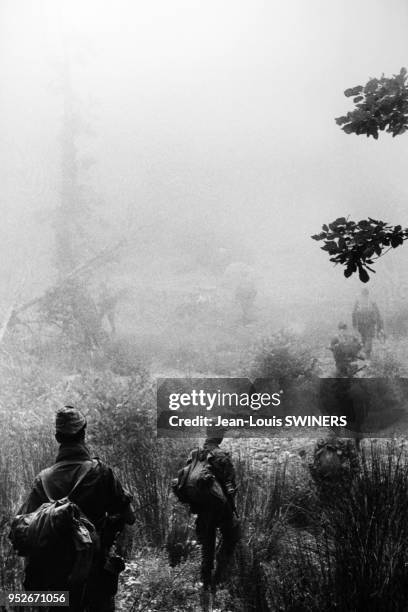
82 473
86 467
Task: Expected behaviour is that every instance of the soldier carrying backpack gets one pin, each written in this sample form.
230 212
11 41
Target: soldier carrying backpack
64 529
335 466
207 485
346 351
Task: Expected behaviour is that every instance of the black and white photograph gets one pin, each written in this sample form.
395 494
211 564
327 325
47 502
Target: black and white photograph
204 305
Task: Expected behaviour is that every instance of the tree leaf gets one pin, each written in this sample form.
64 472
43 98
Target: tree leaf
363 275
353 91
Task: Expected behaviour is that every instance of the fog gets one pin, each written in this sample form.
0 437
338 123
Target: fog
204 127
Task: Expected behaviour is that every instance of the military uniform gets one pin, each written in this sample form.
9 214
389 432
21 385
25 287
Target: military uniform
345 348
100 496
367 320
217 516
245 295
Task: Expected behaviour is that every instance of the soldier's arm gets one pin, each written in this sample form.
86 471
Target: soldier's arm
120 501
230 477
225 472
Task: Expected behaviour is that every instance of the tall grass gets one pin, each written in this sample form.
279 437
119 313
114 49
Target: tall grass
351 553
300 551
368 526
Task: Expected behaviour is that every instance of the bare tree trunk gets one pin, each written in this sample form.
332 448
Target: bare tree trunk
68 209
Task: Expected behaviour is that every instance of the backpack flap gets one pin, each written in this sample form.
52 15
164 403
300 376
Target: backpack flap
52 524
179 483
196 483
41 530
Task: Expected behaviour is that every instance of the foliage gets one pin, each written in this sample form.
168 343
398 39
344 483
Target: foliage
70 308
385 364
299 550
351 556
381 104
149 584
181 539
282 358
397 321
368 527
356 246
262 502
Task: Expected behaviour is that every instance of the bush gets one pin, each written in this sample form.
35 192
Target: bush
283 359
149 583
385 364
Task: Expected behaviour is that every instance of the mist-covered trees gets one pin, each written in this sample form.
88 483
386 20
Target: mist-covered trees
380 105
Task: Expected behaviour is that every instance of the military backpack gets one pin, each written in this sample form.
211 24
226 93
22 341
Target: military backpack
196 483
58 524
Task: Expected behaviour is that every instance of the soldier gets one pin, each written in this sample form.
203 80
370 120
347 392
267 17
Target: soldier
245 295
346 348
217 516
101 498
335 465
367 320
107 305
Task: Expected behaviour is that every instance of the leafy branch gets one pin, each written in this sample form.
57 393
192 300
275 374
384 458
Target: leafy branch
381 104
358 245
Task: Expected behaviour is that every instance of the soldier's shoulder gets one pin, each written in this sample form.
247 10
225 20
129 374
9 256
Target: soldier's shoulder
100 466
44 472
103 469
221 453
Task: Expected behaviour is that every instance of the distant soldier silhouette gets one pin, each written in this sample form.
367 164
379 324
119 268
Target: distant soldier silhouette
346 348
367 320
335 465
100 497
107 305
245 295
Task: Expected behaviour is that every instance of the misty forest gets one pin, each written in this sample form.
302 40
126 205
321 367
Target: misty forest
169 172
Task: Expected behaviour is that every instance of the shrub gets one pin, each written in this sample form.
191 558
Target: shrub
385 364
150 584
283 359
